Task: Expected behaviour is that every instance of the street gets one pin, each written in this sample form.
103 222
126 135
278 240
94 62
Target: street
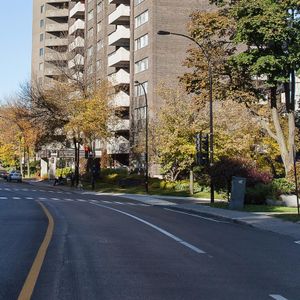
107 247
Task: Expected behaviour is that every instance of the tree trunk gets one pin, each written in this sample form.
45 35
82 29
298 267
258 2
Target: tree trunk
286 148
191 182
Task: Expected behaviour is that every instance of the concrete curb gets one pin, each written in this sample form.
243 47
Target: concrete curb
210 215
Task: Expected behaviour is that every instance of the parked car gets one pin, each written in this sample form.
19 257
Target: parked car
14 176
3 174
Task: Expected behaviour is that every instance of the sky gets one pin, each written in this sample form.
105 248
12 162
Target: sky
15 50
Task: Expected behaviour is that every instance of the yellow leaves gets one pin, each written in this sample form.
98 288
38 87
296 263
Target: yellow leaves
90 116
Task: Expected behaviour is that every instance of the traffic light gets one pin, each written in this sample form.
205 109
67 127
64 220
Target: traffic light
202 149
86 152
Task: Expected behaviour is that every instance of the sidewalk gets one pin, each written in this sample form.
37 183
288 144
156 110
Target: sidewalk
256 220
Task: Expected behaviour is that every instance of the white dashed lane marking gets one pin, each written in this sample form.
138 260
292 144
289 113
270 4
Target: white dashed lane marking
3 198
16 198
29 198
278 297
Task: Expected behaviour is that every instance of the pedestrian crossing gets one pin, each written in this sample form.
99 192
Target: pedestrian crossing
78 200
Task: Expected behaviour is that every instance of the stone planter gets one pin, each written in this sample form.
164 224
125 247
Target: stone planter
289 200
275 202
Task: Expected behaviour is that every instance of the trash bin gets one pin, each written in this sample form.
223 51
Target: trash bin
238 189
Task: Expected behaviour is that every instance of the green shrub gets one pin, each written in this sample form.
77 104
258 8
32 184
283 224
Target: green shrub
258 194
64 172
282 186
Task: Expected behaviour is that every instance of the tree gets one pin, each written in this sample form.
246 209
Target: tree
175 128
250 40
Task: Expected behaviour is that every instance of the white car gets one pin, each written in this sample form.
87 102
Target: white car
14 176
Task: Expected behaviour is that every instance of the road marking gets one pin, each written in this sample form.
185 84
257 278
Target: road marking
6 189
168 234
29 198
119 203
67 199
34 272
297 242
278 297
16 190
40 198
3 198
108 202
196 216
25 190
16 198
81 200
55 199
33 190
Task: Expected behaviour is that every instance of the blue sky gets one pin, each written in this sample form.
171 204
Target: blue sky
15 50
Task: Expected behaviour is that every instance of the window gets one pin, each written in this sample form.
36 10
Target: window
141 42
90 32
99 45
90 69
99 6
137 2
41 51
90 14
99 26
42 8
141 65
90 51
141 19
139 91
41 37
98 64
41 23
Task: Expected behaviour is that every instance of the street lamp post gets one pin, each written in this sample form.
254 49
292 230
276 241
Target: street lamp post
137 83
211 125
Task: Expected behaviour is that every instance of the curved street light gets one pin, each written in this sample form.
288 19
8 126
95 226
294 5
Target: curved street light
137 83
211 127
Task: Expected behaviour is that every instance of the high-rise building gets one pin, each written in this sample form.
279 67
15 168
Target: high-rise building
50 39
115 40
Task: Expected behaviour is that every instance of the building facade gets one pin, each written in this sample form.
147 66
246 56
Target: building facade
115 40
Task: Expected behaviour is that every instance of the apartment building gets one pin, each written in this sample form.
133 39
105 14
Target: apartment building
49 39
115 40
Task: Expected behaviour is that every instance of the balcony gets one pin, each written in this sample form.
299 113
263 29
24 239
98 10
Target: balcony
127 2
118 125
55 42
120 77
121 99
119 58
119 145
78 43
78 25
57 27
54 13
78 11
120 37
52 72
121 16
77 61
55 56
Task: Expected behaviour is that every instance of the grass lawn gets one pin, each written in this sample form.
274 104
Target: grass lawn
113 188
282 212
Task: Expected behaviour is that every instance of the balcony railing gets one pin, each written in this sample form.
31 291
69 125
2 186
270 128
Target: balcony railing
78 25
120 37
120 16
119 58
77 11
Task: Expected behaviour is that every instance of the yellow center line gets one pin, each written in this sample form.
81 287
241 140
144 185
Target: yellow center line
32 276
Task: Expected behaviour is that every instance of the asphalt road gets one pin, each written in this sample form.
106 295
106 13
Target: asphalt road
105 247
